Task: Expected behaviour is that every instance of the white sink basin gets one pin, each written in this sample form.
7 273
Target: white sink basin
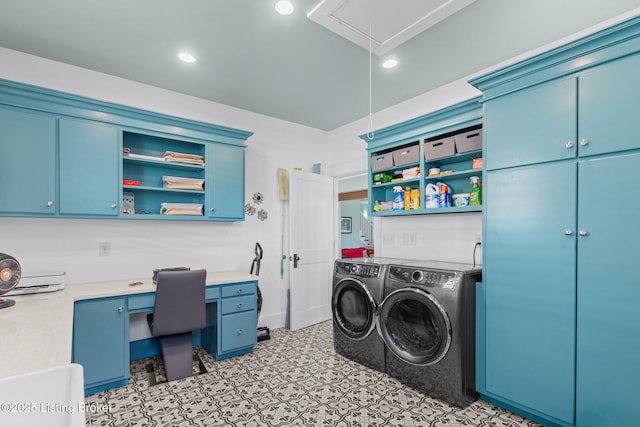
48 398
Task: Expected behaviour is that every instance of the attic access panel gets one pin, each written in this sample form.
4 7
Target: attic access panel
392 22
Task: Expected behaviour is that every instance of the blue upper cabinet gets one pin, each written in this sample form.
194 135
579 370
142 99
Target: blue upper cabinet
532 126
68 156
89 158
226 185
609 105
27 163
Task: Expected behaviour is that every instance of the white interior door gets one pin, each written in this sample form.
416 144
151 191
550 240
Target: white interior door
311 237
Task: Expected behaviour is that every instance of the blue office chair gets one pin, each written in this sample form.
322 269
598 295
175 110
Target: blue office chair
179 309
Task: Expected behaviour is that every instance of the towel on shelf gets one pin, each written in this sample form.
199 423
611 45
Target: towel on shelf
181 183
193 159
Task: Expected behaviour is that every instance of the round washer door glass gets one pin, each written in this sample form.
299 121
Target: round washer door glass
353 308
415 326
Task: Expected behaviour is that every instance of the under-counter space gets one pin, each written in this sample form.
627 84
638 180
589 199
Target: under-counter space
37 333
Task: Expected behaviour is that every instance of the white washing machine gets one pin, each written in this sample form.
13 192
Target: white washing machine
358 287
427 322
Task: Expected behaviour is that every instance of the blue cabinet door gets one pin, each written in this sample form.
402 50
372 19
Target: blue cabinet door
529 278
27 163
225 182
88 168
609 107
608 335
101 340
531 126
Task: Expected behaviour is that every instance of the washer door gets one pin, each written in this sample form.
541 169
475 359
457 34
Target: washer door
415 326
354 308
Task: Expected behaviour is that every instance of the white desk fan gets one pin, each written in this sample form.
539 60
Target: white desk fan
9 278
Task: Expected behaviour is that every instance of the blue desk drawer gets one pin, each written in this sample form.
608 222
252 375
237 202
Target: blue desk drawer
238 304
212 293
239 289
238 330
141 301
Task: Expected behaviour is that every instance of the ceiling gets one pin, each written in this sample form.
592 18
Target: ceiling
291 67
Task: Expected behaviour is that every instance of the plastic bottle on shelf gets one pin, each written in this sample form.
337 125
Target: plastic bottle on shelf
398 200
407 198
475 196
445 195
431 196
414 202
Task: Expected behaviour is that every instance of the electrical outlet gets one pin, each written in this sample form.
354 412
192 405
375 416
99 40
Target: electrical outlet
104 249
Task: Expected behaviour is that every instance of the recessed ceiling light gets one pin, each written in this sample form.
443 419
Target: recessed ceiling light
389 63
284 7
186 57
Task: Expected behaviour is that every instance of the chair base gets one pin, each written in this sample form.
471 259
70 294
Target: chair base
152 378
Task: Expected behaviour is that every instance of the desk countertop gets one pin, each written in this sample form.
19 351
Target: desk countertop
37 331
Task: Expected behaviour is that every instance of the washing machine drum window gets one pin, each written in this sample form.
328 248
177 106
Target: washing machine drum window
354 308
415 326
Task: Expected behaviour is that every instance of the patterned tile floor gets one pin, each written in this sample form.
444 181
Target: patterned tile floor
293 379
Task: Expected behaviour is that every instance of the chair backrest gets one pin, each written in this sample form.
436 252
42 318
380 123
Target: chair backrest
180 302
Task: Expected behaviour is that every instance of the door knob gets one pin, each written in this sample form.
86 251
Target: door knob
296 258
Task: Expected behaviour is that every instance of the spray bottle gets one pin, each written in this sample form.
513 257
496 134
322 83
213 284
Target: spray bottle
475 196
398 201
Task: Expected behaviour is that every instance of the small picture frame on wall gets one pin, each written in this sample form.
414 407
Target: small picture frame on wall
345 224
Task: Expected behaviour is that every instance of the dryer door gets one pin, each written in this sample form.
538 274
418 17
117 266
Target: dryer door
354 308
415 326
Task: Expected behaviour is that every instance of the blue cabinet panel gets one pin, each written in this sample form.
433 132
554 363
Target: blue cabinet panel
530 287
101 340
28 162
238 331
610 107
531 126
225 182
89 158
608 336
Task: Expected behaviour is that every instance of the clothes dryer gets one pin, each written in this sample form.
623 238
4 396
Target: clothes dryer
358 287
427 322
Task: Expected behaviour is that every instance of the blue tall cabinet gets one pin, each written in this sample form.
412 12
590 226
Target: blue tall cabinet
559 307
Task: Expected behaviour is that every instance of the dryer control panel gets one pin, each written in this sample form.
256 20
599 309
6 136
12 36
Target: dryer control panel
442 279
360 270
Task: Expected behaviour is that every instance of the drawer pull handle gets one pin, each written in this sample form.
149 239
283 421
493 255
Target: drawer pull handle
568 232
584 142
569 144
239 291
49 203
583 233
113 206
239 331
239 304
120 309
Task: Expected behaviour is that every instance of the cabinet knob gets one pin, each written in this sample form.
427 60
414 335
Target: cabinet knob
568 232
239 331
240 290
49 203
569 144
212 209
239 305
120 309
584 142
583 233
113 206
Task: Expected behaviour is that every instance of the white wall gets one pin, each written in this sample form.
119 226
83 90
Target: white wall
137 247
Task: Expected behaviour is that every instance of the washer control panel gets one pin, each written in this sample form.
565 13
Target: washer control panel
360 270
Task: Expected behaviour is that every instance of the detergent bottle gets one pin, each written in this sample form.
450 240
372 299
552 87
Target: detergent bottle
415 199
407 198
475 196
431 196
398 201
